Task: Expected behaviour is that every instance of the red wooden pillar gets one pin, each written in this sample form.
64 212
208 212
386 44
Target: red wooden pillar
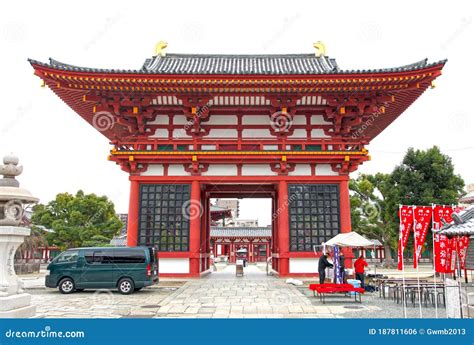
274 240
283 229
195 229
345 209
132 224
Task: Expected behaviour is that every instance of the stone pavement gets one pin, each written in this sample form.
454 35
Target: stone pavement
219 295
255 295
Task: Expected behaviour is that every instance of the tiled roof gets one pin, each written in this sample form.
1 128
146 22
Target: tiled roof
120 241
237 64
463 224
218 231
466 228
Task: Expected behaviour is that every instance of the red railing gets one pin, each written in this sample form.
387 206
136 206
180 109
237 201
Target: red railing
225 144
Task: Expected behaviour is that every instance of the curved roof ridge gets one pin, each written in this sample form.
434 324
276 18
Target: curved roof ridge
264 64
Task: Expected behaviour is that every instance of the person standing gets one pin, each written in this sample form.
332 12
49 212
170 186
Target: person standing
322 265
359 265
342 268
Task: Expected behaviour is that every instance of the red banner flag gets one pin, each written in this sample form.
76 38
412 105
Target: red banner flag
462 244
441 244
422 216
406 222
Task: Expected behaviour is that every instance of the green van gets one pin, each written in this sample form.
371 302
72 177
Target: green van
127 269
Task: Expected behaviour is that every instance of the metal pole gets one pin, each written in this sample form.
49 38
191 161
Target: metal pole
435 294
403 266
415 259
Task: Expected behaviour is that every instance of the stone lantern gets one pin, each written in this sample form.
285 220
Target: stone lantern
13 199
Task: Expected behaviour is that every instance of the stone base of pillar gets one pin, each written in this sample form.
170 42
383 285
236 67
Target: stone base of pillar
17 306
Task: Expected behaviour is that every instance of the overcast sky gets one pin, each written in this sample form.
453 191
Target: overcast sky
61 152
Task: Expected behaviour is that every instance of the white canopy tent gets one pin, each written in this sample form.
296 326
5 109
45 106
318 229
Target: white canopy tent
349 239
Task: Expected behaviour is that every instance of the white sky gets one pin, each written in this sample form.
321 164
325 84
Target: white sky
61 152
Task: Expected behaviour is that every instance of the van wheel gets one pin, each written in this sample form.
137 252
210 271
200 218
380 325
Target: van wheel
66 286
126 286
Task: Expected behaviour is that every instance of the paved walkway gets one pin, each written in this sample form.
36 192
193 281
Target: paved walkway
255 295
219 295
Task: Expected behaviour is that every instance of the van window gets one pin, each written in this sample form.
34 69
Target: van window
68 256
96 257
127 256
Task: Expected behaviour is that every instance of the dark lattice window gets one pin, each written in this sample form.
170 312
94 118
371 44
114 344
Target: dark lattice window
163 220
314 214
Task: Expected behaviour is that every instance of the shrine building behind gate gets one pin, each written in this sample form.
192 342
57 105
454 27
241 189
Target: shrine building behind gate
190 127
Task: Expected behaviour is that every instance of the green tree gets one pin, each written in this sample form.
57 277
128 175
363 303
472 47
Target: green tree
78 220
369 211
423 178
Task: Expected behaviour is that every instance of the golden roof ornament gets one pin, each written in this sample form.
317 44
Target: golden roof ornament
160 48
320 49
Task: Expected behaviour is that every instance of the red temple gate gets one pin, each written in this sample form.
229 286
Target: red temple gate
190 127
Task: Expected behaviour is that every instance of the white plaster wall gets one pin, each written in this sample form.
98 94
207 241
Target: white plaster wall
221 170
208 147
160 120
256 133
180 133
257 170
319 120
299 133
299 120
318 133
153 170
301 170
222 120
179 120
304 265
160 133
177 170
256 120
325 170
222 133
174 265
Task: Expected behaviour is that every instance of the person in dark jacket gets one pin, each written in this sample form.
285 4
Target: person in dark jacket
322 265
